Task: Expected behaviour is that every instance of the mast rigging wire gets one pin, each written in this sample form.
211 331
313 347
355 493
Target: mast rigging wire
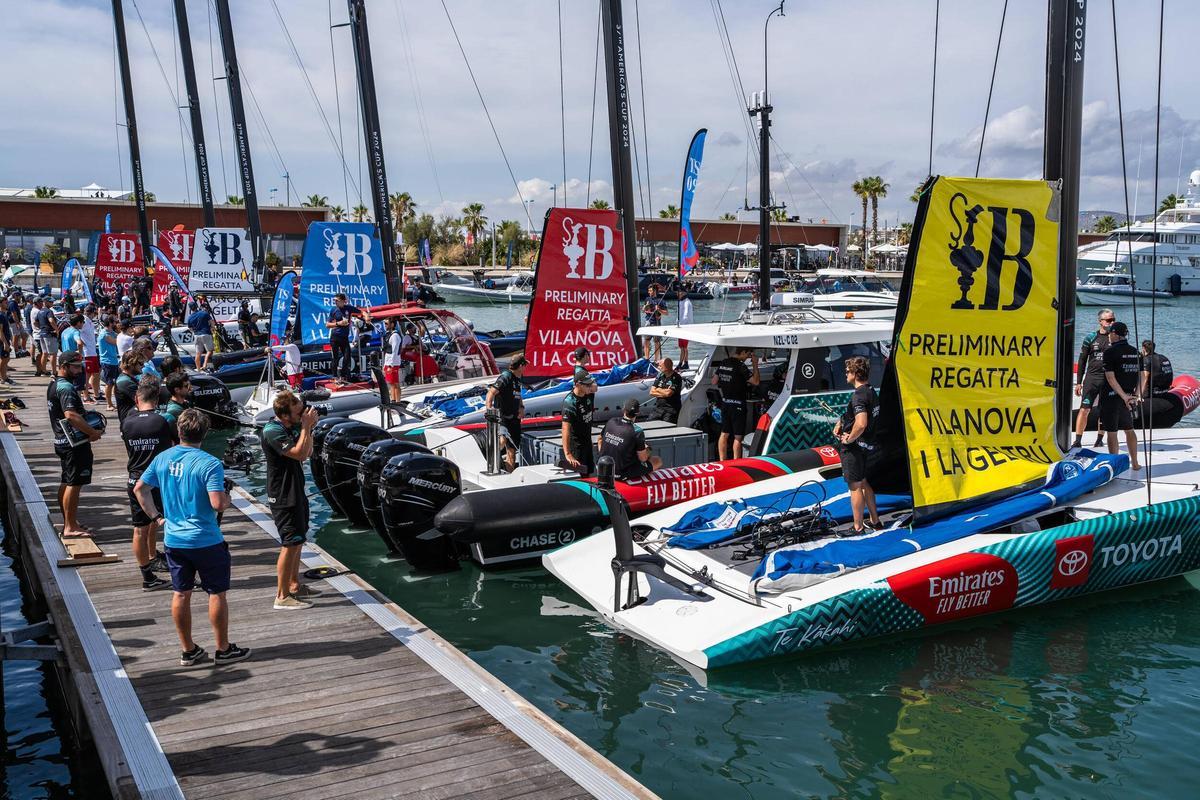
488 114
937 19
1154 245
991 87
337 99
183 136
212 69
187 183
562 104
642 100
592 128
779 148
735 75
414 79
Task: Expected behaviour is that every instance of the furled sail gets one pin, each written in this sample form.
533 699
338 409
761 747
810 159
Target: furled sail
975 342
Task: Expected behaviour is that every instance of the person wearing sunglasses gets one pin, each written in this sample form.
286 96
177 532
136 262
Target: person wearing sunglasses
1089 372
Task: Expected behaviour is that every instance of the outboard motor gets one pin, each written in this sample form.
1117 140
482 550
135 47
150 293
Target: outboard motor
211 395
344 445
370 465
317 459
413 488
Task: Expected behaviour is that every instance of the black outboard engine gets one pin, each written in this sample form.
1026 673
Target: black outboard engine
370 465
344 444
211 395
317 459
413 488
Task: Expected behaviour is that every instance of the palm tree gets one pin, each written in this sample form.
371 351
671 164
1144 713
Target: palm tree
1106 224
234 200
876 189
670 212
600 204
1169 202
151 197
338 213
915 197
316 201
860 188
45 192
474 220
403 208
728 216
779 215
905 235
360 213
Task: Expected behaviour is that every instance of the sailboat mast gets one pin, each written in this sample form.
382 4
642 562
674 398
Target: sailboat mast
241 137
1065 38
193 102
373 137
619 133
135 155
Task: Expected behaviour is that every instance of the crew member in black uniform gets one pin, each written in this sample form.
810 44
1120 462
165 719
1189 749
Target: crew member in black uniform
625 443
70 428
1157 372
734 380
287 443
125 389
1122 371
856 433
580 359
504 397
1089 368
666 389
146 434
577 425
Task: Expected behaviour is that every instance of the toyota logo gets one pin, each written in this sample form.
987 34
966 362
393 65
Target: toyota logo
1072 563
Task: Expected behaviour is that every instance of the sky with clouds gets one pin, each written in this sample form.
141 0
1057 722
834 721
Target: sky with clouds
850 81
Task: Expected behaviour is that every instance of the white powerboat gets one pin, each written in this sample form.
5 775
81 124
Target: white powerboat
518 289
1110 288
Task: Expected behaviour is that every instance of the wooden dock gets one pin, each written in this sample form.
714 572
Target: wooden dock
352 698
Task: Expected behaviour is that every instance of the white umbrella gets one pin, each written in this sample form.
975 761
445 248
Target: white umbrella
747 247
853 248
824 248
724 246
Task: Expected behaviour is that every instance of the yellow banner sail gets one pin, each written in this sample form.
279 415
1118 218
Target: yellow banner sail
975 355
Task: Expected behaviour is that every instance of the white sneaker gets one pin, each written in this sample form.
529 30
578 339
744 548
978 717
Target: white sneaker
291 603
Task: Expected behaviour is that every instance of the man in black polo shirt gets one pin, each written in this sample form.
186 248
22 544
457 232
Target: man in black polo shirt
667 387
625 443
577 411
1089 366
1122 370
1157 372
73 438
125 389
287 443
734 380
339 336
504 396
146 434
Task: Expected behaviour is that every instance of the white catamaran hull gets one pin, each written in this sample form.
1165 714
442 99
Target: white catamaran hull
1116 540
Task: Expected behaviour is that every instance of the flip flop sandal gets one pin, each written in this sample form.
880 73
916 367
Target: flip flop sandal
80 535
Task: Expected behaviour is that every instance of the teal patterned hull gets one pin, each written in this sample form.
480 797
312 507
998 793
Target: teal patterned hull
807 421
1085 557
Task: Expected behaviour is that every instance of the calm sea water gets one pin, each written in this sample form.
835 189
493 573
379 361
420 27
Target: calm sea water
1092 698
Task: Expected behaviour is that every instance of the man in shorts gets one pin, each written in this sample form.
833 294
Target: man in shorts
91 354
1089 368
504 398
46 323
200 323
287 443
393 358
684 316
73 438
146 434
193 489
110 361
856 433
734 380
652 313
293 362
1122 374
625 443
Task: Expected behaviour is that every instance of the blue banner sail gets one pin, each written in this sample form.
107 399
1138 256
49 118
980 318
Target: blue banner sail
108 223
281 308
68 274
339 257
689 257
162 262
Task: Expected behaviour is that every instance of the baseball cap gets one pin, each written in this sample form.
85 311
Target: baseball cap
631 407
584 379
1119 328
71 357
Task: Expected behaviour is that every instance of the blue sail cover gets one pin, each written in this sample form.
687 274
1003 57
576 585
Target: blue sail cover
798 566
464 402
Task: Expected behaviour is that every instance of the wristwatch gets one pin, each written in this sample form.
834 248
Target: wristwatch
158 518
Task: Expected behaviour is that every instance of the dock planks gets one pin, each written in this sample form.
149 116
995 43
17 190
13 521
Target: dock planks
352 698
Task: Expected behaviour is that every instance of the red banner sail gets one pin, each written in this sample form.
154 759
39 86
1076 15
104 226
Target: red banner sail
580 295
118 259
177 246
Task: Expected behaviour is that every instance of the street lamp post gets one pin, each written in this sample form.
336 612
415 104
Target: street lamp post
762 108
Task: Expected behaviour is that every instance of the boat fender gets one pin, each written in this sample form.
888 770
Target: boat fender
413 488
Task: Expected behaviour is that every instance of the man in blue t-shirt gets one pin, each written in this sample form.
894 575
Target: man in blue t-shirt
193 489
200 323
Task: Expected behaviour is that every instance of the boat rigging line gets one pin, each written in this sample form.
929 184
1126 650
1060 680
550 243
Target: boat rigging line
212 69
637 20
779 148
203 177
410 61
175 43
937 19
486 113
991 87
562 106
735 76
337 99
171 91
592 127
1154 244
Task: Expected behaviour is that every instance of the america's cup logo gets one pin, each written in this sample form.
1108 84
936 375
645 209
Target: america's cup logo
180 245
356 252
598 242
121 251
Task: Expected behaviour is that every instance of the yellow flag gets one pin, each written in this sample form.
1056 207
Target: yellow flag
975 356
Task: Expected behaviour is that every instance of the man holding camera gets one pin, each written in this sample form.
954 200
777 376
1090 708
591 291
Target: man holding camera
287 443
73 438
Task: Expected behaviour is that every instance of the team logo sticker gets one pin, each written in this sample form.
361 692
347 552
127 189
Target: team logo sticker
962 586
1072 561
